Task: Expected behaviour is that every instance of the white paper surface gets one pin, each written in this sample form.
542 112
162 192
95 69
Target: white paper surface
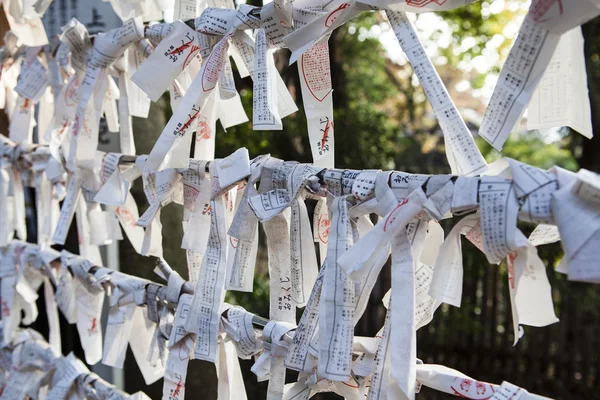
530 55
315 82
168 59
209 293
265 115
336 322
561 98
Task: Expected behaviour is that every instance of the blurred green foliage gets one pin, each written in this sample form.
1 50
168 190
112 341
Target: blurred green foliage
531 148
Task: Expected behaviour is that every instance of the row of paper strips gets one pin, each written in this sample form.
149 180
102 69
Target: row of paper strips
151 318
31 367
73 80
426 269
227 206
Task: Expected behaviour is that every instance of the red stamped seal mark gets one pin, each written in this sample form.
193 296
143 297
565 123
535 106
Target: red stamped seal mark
335 13
25 105
323 230
472 389
392 217
126 216
176 91
93 328
5 309
70 92
62 129
79 127
76 125
315 71
188 123
203 132
214 65
190 194
474 236
423 3
540 8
